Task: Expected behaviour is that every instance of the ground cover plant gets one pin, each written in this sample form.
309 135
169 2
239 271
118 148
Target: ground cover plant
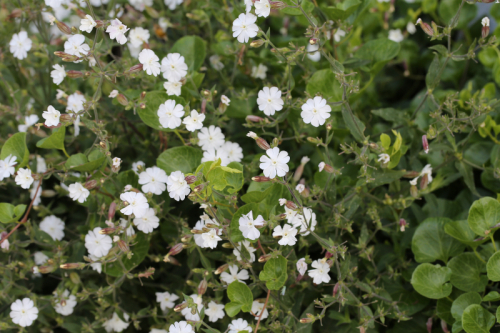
243 166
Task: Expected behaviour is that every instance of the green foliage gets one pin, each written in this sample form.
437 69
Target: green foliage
241 298
432 280
16 146
274 273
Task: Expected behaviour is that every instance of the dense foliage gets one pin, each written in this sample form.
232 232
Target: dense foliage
242 166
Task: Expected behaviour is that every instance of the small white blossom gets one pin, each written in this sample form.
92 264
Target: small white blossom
411 28
248 247
117 31
117 162
312 52
150 62
170 114
78 193
485 21
7 168
225 100
138 37
259 72
172 4
239 325
148 222
180 326
214 311
338 35
215 62
173 88
252 135
140 5
33 191
247 225
58 74
113 94
137 204
315 111
384 158
233 151
186 312
75 45
174 67
302 266
53 226
177 186
213 155
287 234
269 100
304 160
210 239
20 44
166 300
153 180
210 137
306 222
234 275
282 201
115 324
24 178
23 312
275 163
427 170
87 24
257 309
51 116
128 230
320 273
28 122
300 188
321 166
262 8
194 121
396 35
70 303
135 166
244 27
5 244
98 244
40 258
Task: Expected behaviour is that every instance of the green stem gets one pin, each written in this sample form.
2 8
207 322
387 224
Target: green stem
493 241
180 137
477 255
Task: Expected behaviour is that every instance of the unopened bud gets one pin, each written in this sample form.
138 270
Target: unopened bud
262 143
313 41
257 43
329 126
261 179
75 265
402 224
310 319
63 27
190 179
66 56
186 238
425 144
221 269
111 211
227 245
316 141
108 231
65 117
336 289
99 24
298 172
290 205
81 14
74 74
254 119
414 191
123 246
90 184
424 181
264 258
135 68
328 168
281 216
143 95
202 287
142 106
47 269
444 327
176 249
278 4
122 99
485 31
425 27
200 187
180 307
15 13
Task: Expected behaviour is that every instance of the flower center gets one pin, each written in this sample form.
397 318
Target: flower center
243 26
314 111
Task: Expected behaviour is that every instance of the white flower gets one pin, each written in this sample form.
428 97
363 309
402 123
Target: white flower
248 5
282 201
321 166
7 168
113 94
257 309
140 5
173 67
51 116
300 188
166 300
411 28
304 160
427 170
275 164
153 180
137 204
23 313
287 234
115 324
150 62
214 311
384 158
306 224
24 178
199 239
40 258
312 52
213 155
252 135
20 44
128 230
320 273
96 266
180 326
262 8
33 191
194 121
54 3
157 330
259 72
210 137
302 266
172 4
173 87
337 36
61 94
78 193
138 37
239 325
5 244
315 111
148 222
87 24
186 312
116 162
225 100
28 121
97 244
270 101
170 114
248 225
234 275
215 62
117 31
177 186
75 46
396 35
210 239
485 21
244 27
250 249
164 23
69 303
58 74
233 151
135 165
53 226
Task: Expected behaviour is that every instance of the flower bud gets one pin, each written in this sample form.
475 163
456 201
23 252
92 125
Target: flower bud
202 287
143 95
313 41
63 27
174 261
176 249
135 68
123 246
254 119
17 12
336 289
281 216
264 258
261 179
76 265
66 56
111 211
262 143
221 269
424 181
414 191
99 24
122 99
65 117
108 231
74 74
425 144
47 269
186 238
227 245
310 319
278 4
486 27
402 224
316 141
200 187
180 307
81 14
444 327
425 27
290 205
90 184
257 43
190 179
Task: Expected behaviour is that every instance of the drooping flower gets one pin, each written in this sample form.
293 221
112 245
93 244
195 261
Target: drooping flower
275 163
250 249
137 204
186 312
248 225
312 52
51 116
384 158
174 67
177 186
28 122
215 62
58 74
153 180
115 324
239 325
225 100
69 303
215 311
75 45
20 44
234 275
117 31
300 188
287 234
244 27
427 170
148 222
78 193
23 312
302 266
210 137
320 273
170 114
194 121
87 24
7 168
24 178
53 226
315 111
150 62
98 244
166 300
257 309
269 100
262 8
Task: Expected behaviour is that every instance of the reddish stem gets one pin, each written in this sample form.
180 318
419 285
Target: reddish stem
260 247
260 315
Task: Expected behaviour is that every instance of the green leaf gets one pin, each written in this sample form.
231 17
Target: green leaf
492 296
193 49
306 4
325 83
484 214
434 73
139 249
228 178
79 162
342 11
477 319
385 140
16 146
274 273
431 281
466 172
378 50
55 140
448 9
393 115
153 100
241 298
493 267
185 159
431 243
10 213
462 302
355 126
461 231
466 271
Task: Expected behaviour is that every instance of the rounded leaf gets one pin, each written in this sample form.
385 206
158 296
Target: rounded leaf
462 302
493 267
477 319
466 271
484 214
431 281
